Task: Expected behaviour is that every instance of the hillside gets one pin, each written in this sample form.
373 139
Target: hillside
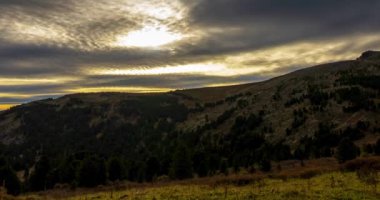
304 114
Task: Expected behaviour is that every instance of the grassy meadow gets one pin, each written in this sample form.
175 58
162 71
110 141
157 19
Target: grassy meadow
321 179
333 185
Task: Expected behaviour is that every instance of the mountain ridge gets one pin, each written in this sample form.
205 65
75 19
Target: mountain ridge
304 114
209 94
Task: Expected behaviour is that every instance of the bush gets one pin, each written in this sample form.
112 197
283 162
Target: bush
265 165
356 164
309 174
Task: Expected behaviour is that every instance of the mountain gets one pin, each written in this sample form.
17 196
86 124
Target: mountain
302 114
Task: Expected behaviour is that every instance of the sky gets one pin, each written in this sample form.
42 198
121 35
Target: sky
52 48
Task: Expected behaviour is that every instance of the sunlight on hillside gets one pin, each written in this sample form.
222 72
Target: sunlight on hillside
6 106
118 89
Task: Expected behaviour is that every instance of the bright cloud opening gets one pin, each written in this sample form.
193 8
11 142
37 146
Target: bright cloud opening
149 36
201 68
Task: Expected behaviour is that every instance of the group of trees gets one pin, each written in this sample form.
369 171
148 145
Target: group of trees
326 140
81 150
8 177
89 170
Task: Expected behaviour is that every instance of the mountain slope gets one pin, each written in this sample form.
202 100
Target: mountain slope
309 110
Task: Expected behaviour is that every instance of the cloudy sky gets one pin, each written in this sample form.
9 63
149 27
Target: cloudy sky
50 48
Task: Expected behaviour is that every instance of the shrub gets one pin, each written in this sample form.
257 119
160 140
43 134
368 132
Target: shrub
309 174
356 164
265 165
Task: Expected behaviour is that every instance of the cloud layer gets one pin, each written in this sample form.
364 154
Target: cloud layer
50 48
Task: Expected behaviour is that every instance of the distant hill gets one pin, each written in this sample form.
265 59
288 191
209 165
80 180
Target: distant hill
302 114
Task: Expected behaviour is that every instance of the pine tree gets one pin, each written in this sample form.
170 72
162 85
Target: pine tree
152 169
116 169
181 167
8 176
68 170
377 147
201 163
38 178
92 172
224 167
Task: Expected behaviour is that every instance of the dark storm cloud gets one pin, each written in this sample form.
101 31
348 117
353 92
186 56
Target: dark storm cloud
45 4
259 23
25 51
325 13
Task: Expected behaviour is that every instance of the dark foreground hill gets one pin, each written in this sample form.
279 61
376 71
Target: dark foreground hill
305 114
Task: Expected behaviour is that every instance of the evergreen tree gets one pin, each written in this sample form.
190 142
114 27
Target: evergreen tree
152 169
116 169
38 179
201 163
9 178
3 161
224 167
265 165
141 172
214 163
281 152
92 172
68 170
181 167
346 150
377 147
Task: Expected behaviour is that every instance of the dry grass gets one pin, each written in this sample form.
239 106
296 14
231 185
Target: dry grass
333 185
288 171
372 162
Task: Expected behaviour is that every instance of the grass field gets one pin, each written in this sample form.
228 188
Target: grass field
334 185
317 179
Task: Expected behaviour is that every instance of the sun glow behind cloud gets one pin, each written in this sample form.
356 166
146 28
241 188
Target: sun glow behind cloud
149 36
155 31
118 89
158 9
263 62
129 46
